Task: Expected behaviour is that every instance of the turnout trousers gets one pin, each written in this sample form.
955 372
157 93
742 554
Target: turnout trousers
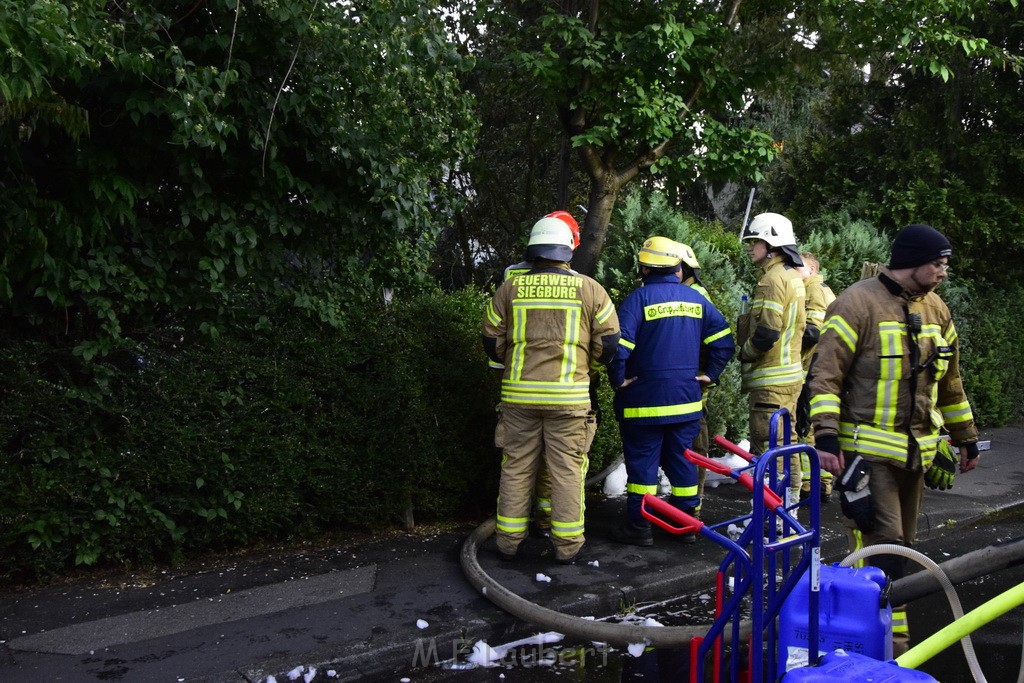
561 439
646 448
896 493
763 402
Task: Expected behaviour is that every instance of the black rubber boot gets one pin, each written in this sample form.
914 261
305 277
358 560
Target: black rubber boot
631 533
691 538
538 531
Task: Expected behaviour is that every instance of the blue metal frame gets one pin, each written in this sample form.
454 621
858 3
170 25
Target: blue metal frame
765 550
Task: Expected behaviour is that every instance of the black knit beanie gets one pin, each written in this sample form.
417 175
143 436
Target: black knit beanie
916 245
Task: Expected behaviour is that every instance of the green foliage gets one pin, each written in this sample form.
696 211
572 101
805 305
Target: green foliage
842 246
903 145
991 359
156 159
289 430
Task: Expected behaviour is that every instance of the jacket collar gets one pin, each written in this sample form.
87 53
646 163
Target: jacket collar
670 278
774 260
542 265
896 289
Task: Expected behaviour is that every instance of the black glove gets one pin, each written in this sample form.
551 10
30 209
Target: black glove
855 494
940 474
972 450
803 412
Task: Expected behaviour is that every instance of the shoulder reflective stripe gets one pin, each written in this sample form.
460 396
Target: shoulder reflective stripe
718 335
628 344
816 316
960 412
700 288
605 313
951 335
843 330
548 304
663 411
492 315
684 491
642 488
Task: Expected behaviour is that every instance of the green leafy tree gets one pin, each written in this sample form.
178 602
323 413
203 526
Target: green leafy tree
159 156
927 135
661 88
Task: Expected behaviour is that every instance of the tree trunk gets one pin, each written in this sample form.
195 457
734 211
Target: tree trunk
603 192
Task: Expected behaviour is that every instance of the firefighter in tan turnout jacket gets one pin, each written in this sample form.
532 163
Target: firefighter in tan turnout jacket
885 380
770 335
819 296
547 327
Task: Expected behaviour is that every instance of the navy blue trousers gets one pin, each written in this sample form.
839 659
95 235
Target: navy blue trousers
648 447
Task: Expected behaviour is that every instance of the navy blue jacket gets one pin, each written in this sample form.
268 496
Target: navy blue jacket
664 325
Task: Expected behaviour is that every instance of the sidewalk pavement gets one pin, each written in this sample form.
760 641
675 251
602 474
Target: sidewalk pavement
376 611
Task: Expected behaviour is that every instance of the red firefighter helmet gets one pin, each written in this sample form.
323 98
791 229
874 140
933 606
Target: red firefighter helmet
567 218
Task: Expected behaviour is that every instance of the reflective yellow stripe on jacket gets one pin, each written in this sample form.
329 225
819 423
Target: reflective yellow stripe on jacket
885 443
664 411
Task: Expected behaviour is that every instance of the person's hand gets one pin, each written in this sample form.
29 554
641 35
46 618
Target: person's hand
626 382
831 462
969 457
704 381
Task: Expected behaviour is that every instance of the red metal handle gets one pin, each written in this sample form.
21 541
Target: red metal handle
771 499
664 515
732 448
707 463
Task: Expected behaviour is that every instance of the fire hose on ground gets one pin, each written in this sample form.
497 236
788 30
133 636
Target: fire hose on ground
964 568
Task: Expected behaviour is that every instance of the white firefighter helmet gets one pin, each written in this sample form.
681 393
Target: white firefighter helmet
550 238
777 231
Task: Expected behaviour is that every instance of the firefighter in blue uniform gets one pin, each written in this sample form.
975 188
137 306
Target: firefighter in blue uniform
658 381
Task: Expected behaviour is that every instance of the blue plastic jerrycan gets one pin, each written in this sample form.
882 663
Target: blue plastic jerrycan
849 667
854 615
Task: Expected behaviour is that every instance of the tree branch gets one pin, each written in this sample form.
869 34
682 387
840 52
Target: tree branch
648 158
284 81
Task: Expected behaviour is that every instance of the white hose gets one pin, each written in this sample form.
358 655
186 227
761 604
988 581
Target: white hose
947 586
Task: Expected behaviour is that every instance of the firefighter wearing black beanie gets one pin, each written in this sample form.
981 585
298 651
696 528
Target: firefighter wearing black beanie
916 245
885 389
